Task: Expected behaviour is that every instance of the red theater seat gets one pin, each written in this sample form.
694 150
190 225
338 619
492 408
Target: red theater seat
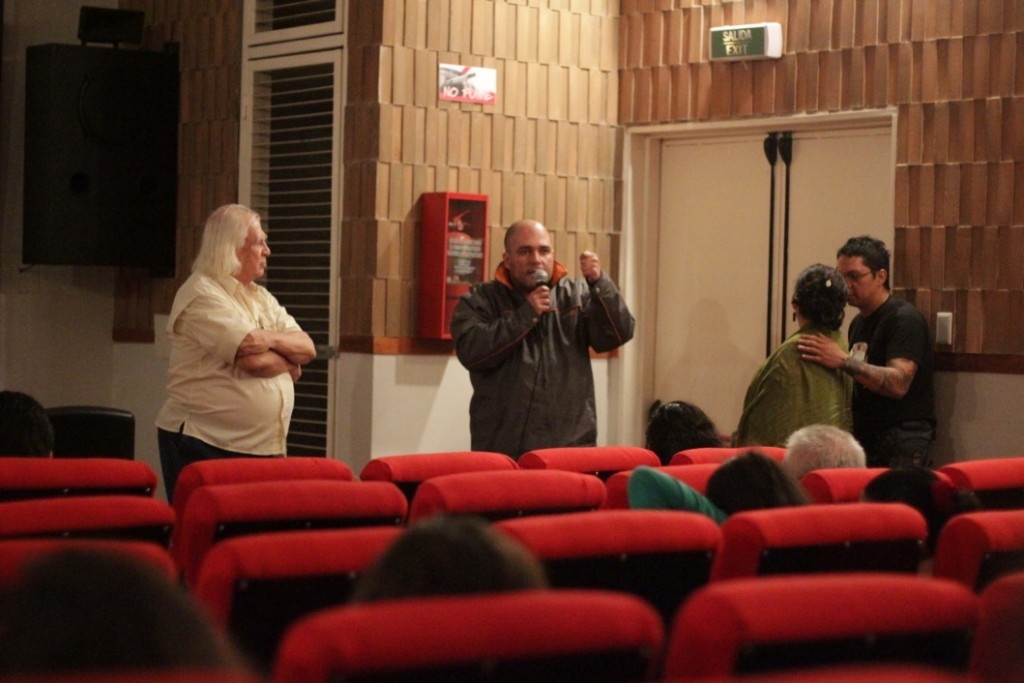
658 555
998 652
409 471
976 548
696 476
215 513
500 495
256 586
601 461
536 636
821 538
15 553
838 485
754 625
23 478
997 482
719 454
249 470
114 517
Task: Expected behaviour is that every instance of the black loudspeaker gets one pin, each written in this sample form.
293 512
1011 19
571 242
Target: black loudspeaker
101 157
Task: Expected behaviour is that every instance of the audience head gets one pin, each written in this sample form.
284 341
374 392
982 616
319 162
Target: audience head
676 426
816 447
935 497
79 610
820 296
753 481
450 555
25 428
226 231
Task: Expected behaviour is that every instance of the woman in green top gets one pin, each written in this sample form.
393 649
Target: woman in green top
750 481
788 393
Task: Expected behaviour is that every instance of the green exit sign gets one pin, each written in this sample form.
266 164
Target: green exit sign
746 41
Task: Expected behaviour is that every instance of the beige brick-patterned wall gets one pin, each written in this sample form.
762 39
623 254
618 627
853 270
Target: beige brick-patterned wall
548 149
571 73
953 69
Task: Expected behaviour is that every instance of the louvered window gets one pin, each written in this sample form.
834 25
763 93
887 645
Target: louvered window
269 21
293 136
275 15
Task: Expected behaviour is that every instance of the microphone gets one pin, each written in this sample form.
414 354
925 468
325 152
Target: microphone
540 278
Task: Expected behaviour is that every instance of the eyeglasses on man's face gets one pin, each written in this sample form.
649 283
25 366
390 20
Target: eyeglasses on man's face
853 276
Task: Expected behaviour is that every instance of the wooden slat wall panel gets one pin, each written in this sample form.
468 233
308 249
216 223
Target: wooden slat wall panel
954 69
548 149
570 73
210 46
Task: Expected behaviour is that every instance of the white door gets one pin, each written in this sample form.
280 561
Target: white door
720 249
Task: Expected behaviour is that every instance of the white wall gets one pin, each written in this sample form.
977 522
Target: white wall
55 340
979 416
390 405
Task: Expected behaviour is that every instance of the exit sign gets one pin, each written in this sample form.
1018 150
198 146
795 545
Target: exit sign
746 41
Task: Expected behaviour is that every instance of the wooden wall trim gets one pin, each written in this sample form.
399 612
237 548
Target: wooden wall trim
1005 363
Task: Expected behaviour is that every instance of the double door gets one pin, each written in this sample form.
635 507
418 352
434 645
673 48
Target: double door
735 231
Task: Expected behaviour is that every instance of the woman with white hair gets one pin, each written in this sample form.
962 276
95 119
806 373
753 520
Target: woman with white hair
817 447
235 353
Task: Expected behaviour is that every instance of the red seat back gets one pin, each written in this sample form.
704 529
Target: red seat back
15 553
997 482
409 471
256 586
719 454
998 652
539 635
499 495
115 517
821 538
695 476
249 470
601 461
23 478
976 548
750 625
215 513
840 484
659 555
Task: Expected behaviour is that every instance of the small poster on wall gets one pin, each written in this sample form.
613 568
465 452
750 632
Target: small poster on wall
458 83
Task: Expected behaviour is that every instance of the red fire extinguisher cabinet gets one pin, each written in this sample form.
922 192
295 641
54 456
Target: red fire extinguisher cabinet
453 256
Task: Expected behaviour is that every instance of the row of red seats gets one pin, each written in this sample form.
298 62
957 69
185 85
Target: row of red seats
295 463
337 501
724 628
998 482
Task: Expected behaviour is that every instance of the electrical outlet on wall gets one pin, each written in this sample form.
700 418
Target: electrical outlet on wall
944 328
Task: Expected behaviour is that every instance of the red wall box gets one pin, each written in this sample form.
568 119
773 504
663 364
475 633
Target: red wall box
453 256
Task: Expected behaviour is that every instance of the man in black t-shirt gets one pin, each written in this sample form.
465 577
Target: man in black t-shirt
890 359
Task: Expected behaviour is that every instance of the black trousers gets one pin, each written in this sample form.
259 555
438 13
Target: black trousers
904 445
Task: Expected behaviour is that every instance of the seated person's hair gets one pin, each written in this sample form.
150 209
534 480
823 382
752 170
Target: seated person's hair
450 555
81 610
820 294
753 481
935 497
816 447
25 428
677 426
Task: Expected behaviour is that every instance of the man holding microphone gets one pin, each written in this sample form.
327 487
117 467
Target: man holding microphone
525 338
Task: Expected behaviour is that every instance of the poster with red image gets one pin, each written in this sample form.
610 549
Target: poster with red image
458 83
